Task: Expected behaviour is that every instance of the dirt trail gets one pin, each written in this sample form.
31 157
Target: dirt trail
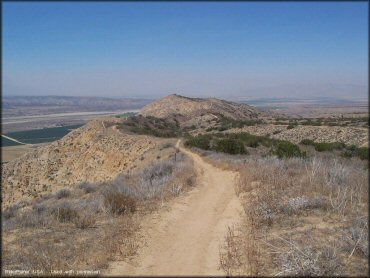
184 237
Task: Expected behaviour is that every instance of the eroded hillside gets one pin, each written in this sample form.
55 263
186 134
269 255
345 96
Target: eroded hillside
96 152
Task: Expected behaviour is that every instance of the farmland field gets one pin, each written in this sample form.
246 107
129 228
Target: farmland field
37 136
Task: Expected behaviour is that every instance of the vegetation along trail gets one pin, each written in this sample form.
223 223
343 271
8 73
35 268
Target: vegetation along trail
183 238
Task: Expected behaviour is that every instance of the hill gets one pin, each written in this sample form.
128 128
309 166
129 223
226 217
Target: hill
197 111
96 152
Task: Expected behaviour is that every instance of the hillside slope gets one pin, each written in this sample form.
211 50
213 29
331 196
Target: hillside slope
96 152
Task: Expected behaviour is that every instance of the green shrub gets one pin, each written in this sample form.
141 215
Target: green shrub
279 123
328 147
347 154
222 128
363 153
152 126
324 146
287 149
307 142
200 141
253 141
231 146
227 122
248 139
351 151
311 122
290 126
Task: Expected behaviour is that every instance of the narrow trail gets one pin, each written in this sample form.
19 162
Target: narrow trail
184 237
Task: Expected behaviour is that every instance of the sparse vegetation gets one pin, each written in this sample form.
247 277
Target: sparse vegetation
347 151
201 141
63 193
234 143
88 187
343 121
304 217
117 202
224 123
229 145
126 115
287 149
64 212
90 231
84 220
291 126
152 126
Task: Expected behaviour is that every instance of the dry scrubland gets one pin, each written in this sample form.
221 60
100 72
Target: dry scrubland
95 152
303 216
358 136
84 196
85 226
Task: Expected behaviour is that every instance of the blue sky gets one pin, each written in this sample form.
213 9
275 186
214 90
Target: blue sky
229 50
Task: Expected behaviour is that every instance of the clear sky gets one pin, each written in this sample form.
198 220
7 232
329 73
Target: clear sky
221 49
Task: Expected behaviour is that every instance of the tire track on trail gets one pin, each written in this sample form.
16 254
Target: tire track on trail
183 238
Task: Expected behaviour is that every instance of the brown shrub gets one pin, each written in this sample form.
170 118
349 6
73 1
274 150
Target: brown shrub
84 220
287 200
64 212
118 203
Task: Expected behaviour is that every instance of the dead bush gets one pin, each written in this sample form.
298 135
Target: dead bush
38 255
287 198
64 212
118 203
10 211
88 187
356 237
84 220
63 193
231 253
39 208
307 259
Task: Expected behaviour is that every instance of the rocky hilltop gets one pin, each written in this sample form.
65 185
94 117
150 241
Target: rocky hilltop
194 110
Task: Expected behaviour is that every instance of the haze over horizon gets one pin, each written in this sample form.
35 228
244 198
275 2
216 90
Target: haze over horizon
149 50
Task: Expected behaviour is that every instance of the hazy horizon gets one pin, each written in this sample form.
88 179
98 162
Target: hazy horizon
149 50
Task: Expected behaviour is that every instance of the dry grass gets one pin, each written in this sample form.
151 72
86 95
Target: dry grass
303 217
86 226
63 193
118 203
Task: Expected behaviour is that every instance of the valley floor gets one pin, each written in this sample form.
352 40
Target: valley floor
183 238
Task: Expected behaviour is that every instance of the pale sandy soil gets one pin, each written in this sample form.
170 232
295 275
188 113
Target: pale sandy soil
12 152
183 238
